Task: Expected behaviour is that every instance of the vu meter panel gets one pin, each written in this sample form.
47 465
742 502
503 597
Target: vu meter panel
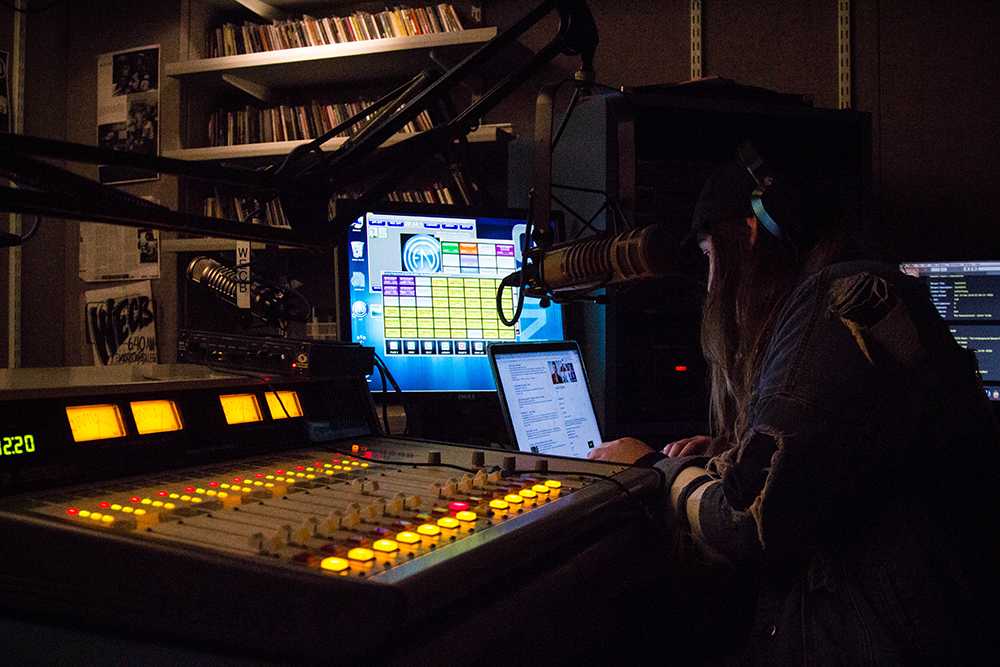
333 513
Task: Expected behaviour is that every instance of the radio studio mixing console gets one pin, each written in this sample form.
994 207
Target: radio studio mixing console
266 518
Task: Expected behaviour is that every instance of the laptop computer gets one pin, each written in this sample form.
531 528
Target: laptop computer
545 397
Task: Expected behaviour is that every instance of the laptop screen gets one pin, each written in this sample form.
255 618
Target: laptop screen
547 399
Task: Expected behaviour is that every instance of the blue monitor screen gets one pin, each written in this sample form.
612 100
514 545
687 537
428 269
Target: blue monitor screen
423 294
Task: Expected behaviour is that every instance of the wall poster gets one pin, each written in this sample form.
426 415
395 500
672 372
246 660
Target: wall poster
121 324
128 109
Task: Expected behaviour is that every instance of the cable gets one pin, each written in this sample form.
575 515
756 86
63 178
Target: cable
507 282
385 401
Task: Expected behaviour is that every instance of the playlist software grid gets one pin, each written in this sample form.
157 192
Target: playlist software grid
441 314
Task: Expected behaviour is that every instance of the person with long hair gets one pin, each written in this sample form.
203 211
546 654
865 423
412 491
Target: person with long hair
853 453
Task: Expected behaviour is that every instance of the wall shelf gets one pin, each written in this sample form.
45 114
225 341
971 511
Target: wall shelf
208 244
485 134
366 60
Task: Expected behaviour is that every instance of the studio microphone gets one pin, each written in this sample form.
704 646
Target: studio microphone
269 304
580 266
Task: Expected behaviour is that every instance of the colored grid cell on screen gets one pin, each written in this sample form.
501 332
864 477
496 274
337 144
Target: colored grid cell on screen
409 323
439 291
423 280
390 300
392 323
409 333
505 250
424 302
468 248
451 269
455 282
391 311
449 247
408 301
425 313
469 260
456 303
456 290
449 260
424 290
407 311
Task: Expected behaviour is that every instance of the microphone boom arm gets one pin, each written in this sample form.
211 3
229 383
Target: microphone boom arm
312 179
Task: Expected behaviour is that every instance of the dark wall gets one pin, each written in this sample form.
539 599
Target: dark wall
925 71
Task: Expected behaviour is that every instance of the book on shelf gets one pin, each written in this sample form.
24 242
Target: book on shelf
252 125
231 39
249 209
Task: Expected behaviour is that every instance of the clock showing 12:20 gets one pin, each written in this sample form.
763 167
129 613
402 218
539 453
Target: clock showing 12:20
12 445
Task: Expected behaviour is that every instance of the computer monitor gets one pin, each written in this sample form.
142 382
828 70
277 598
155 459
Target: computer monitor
422 285
967 295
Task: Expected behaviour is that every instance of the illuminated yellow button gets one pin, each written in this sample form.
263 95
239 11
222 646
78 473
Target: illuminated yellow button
385 546
223 494
327 472
428 529
116 507
540 488
96 516
185 498
127 509
271 477
174 496
107 518
338 467
140 512
527 493
169 506
361 554
407 537
334 564
513 499
157 503
224 485
448 522
199 490
553 484
196 500
466 515
364 465
499 504
84 514
310 469
213 493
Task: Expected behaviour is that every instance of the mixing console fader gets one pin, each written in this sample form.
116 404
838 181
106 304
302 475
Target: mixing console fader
282 520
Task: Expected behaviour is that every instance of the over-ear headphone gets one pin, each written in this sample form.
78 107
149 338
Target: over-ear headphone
750 159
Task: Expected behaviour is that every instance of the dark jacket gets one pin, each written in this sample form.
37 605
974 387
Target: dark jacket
862 491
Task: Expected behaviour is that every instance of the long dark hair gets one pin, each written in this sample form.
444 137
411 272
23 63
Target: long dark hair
750 284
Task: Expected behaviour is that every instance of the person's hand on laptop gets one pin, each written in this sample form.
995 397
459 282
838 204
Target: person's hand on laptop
692 446
622 450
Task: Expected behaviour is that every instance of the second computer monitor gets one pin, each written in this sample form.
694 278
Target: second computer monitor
423 285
